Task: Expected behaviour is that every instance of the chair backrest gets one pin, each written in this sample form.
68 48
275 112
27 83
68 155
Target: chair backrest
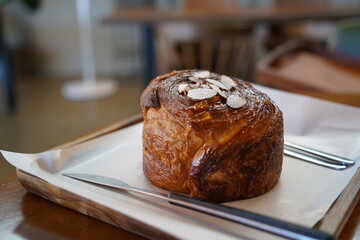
228 52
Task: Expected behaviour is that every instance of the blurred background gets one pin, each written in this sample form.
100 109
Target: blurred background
309 47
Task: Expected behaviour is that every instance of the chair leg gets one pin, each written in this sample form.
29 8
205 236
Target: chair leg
6 73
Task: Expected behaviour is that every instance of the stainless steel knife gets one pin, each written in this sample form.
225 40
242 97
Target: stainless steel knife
254 220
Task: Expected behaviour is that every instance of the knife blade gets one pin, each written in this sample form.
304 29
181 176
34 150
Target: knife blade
254 220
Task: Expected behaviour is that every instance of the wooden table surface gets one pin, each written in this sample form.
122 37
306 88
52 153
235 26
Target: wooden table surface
277 13
24 215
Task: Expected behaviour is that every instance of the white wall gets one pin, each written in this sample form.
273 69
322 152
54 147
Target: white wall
53 32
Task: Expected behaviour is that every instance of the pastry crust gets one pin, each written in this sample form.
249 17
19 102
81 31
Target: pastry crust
206 148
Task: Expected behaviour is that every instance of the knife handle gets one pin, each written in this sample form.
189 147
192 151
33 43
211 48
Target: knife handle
260 222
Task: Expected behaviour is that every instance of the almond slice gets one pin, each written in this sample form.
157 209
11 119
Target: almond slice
228 82
218 90
194 79
194 85
217 83
201 93
235 101
183 87
202 74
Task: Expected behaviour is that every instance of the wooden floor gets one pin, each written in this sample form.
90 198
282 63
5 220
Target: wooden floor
44 119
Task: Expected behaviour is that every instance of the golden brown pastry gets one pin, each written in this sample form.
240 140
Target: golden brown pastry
211 136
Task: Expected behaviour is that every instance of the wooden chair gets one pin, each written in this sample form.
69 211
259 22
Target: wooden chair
223 50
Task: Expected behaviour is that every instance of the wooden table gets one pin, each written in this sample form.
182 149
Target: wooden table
28 216
25 215
235 14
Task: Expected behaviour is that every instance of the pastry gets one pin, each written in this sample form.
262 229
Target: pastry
211 136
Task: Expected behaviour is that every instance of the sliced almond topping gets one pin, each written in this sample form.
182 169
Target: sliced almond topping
235 101
217 89
194 79
201 93
202 74
205 86
194 85
183 87
217 83
228 82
